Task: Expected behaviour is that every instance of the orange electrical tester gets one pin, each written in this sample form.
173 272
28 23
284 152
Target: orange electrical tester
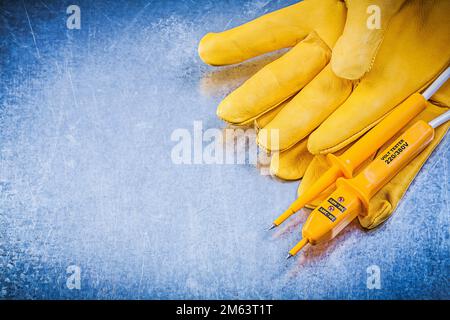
344 165
352 195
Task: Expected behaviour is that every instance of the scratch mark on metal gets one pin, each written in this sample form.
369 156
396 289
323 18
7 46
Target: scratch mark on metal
31 29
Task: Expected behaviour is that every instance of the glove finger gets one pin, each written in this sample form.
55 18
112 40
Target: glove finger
310 107
279 29
291 164
356 48
264 119
408 50
276 82
386 200
218 82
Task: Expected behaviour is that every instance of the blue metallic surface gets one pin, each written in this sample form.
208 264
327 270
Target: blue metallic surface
86 176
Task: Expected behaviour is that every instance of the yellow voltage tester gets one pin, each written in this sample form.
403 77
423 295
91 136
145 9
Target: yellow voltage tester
352 196
344 165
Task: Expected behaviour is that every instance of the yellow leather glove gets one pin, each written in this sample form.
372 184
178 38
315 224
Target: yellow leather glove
312 27
402 66
336 110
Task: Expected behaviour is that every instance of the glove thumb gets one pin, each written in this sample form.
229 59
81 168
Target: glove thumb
355 50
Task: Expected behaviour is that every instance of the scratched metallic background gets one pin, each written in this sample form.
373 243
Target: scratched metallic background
86 176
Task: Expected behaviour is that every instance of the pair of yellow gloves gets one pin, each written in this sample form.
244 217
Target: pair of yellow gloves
349 65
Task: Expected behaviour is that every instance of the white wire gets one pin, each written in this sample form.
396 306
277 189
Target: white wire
436 84
443 118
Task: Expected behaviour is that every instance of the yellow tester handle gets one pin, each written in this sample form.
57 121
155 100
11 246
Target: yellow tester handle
379 135
390 161
352 195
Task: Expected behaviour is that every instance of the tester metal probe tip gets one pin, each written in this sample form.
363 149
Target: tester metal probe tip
289 256
273 226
